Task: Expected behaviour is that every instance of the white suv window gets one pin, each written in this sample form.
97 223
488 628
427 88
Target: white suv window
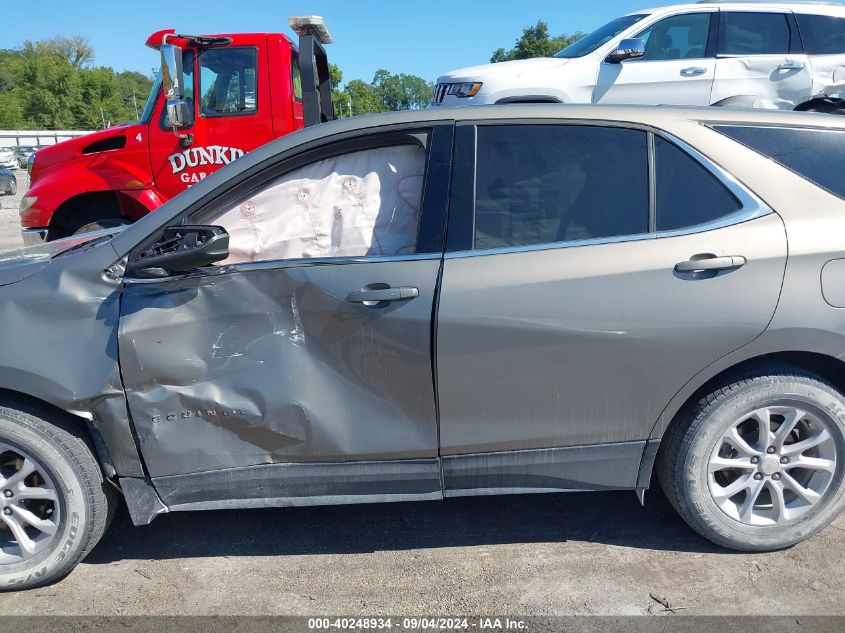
756 33
678 37
822 34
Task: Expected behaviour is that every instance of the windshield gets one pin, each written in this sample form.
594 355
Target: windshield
600 36
151 100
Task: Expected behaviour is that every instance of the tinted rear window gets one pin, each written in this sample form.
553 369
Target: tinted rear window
687 193
817 155
540 184
822 34
756 33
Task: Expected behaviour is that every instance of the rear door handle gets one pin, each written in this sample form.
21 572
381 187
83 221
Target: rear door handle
383 294
791 66
693 71
710 263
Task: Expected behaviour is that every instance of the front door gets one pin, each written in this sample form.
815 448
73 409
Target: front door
761 58
569 315
678 66
310 345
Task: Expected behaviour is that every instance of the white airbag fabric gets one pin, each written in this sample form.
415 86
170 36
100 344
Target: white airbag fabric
361 204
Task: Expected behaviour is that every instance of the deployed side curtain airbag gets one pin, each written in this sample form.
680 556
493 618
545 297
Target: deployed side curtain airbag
361 204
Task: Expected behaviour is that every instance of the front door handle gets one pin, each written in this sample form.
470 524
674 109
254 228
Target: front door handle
381 295
710 263
693 71
791 65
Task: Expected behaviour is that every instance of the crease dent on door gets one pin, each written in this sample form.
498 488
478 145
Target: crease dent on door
275 365
771 84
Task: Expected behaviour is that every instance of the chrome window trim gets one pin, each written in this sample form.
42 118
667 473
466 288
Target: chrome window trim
751 208
216 271
820 127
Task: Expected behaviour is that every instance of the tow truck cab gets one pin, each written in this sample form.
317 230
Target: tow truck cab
234 92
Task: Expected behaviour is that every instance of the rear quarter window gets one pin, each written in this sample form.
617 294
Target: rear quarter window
822 34
688 195
817 155
755 33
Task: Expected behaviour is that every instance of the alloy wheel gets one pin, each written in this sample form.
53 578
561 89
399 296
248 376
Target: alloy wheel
773 465
29 506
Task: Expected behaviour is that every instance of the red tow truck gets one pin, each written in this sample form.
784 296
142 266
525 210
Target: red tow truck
217 97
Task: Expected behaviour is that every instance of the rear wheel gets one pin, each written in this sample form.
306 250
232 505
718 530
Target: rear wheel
54 502
757 464
826 106
13 188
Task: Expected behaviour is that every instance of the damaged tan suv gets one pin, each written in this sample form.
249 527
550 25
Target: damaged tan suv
433 304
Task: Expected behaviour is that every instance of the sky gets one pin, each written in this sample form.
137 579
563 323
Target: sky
419 37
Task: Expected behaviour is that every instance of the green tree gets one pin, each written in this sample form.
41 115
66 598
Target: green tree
363 98
49 90
401 92
51 84
339 99
132 89
535 42
11 108
11 112
76 50
386 92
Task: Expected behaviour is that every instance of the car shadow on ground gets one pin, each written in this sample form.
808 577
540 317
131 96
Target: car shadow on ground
612 518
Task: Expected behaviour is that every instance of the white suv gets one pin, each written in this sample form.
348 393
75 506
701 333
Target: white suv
773 55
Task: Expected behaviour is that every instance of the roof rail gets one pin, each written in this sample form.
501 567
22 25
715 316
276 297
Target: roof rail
828 2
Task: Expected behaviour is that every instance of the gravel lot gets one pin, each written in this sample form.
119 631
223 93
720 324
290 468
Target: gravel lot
578 553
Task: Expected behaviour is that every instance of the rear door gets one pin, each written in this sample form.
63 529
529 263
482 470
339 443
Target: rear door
569 313
823 37
678 66
311 345
760 55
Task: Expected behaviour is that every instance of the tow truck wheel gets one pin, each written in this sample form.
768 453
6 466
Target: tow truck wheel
98 225
54 502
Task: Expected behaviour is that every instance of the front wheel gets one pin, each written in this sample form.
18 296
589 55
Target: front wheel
757 464
54 503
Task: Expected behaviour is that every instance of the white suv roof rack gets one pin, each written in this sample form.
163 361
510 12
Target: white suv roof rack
831 2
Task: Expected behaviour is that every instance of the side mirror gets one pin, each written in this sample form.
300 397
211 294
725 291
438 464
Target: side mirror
184 248
631 48
179 113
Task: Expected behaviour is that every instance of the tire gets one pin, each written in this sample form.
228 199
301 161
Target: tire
825 106
833 111
98 225
67 469
13 188
696 462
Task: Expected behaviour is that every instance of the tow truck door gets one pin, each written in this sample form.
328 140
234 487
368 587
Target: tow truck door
228 87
